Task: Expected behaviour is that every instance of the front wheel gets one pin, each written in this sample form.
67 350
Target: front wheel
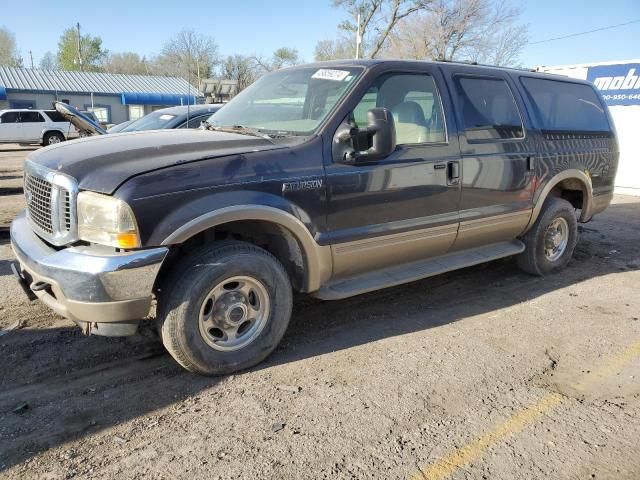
224 308
551 240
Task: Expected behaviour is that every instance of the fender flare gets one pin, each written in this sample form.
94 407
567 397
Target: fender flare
569 174
318 260
47 130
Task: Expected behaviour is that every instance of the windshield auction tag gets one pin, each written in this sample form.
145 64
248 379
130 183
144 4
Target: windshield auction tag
328 74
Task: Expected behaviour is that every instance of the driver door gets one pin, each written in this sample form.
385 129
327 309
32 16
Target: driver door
403 207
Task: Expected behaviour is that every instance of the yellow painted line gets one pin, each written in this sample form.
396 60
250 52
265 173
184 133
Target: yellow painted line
466 454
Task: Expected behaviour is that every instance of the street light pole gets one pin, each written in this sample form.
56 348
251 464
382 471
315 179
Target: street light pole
358 39
79 48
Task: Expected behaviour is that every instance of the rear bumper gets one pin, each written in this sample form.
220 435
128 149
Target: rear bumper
89 285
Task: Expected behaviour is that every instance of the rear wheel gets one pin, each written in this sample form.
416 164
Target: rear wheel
51 138
551 240
225 308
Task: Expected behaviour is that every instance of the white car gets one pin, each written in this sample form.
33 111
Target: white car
45 127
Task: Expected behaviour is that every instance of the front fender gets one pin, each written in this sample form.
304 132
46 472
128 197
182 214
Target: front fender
196 217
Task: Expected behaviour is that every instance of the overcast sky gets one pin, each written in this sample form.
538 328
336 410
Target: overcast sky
250 26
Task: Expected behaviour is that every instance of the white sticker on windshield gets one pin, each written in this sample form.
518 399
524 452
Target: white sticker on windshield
328 74
166 117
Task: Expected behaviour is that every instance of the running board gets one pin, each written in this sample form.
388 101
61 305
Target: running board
409 272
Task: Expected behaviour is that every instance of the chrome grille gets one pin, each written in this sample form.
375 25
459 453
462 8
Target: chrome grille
38 196
50 198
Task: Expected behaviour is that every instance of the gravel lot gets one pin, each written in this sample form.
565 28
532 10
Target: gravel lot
481 373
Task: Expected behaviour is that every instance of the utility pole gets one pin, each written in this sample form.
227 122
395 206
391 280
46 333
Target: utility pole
31 56
358 39
79 60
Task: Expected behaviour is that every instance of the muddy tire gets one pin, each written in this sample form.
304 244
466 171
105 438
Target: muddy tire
551 240
51 138
224 308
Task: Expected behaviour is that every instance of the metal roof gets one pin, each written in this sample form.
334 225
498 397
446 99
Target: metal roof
30 79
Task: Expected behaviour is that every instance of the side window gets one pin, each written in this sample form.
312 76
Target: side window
414 102
10 117
55 116
30 117
565 106
489 111
367 103
194 122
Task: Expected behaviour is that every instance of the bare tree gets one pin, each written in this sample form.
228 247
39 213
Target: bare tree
378 18
339 49
8 50
480 31
282 57
49 62
188 54
241 69
126 62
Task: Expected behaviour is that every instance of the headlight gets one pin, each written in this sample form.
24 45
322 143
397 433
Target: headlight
106 220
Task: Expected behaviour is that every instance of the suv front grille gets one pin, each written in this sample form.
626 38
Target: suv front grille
38 195
50 198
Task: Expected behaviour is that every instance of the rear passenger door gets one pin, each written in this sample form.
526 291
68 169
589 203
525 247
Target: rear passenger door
498 151
31 124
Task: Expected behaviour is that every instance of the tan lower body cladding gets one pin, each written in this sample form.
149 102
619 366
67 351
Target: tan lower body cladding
359 256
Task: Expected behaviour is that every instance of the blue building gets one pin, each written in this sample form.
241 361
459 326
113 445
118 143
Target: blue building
114 98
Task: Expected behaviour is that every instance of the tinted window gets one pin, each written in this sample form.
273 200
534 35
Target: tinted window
414 102
55 116
30 117
195 122
489 110
565 106
10 117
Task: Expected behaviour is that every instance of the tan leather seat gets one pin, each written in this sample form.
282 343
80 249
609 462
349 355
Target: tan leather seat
410 123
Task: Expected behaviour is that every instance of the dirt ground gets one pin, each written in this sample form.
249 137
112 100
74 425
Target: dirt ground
485 373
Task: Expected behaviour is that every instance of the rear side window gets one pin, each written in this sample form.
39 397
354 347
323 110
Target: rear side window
489 111
565 106
55 116
30 117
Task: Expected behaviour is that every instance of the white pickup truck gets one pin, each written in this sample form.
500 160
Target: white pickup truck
45 127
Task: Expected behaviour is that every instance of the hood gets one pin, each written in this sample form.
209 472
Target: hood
102 163
78 120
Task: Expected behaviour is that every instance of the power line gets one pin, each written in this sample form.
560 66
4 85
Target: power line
585 33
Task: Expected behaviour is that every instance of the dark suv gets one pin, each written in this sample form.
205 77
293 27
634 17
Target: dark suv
333 179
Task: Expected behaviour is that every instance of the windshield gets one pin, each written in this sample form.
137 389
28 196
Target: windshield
293 101
153 121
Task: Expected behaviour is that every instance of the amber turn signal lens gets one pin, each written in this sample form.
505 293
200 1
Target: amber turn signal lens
127 240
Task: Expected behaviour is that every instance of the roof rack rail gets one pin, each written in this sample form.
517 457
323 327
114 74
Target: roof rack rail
474 63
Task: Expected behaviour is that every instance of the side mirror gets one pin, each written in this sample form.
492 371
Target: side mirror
375 141
383 130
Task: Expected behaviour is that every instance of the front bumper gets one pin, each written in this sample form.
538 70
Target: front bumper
93 286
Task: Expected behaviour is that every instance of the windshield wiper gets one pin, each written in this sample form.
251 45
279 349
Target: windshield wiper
242 130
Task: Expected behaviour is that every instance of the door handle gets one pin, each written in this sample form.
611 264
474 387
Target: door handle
453 172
